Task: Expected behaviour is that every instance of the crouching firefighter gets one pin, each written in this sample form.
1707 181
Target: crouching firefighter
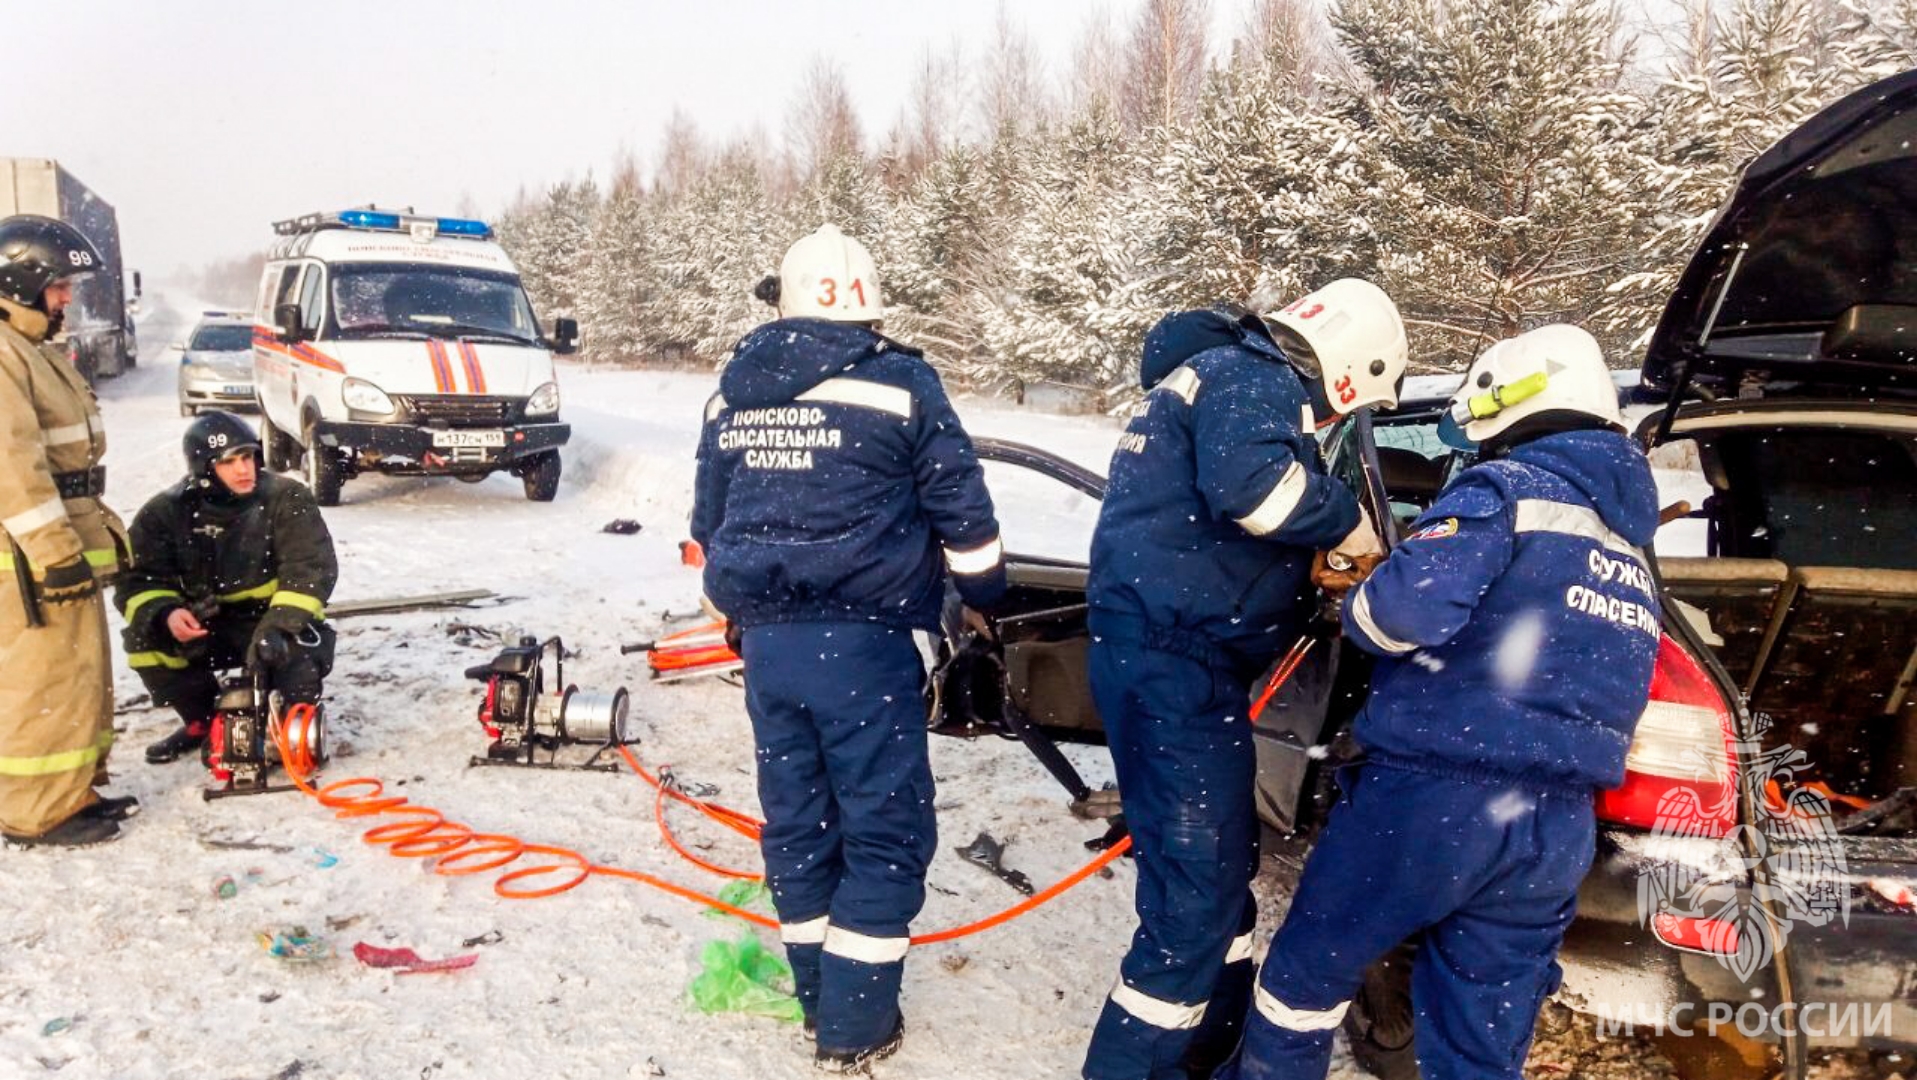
60 540
1516 627
231 566
835 487
1200 576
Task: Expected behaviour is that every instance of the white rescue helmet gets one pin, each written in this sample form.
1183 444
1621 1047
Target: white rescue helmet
1355 333
829 275
1556 368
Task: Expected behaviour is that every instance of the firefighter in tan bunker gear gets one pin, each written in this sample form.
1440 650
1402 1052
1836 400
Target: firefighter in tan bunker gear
56 688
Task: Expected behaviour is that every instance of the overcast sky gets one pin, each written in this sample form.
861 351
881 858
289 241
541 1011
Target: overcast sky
203 121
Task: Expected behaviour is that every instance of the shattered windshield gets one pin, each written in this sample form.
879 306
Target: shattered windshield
409 300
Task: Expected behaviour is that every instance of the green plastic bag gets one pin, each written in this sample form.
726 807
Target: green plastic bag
743 977
741 894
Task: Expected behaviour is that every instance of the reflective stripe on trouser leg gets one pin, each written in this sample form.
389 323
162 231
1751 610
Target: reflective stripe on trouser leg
804 944
56 710
1159 1013
1181 746
1304 1020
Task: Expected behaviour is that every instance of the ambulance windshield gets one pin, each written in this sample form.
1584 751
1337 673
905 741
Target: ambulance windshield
411 300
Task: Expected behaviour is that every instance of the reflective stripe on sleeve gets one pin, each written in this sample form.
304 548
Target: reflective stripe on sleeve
257 592
809 932
1547 515
65 761
1292 1019
1361 614
288 598
155 659
1184 382
1169 1015
1280 504
67 433
864 394
140 600
865 948
95 557
1240 949
979 560
30 519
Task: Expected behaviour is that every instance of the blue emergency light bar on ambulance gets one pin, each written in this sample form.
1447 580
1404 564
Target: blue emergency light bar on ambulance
400 343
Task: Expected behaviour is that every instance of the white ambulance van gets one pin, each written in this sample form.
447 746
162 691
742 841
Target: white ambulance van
395 343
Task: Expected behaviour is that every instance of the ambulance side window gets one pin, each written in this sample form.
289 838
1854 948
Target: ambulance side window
278 288
263 304
288 291
313 301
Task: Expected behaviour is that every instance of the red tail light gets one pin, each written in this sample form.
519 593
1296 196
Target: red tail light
1681 773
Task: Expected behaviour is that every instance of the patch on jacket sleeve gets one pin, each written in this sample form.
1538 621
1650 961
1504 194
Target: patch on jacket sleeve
1437 530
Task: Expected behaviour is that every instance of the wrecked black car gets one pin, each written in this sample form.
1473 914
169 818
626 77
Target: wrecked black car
1761 851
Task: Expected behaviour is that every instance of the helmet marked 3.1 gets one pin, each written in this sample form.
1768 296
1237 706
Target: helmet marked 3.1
829 275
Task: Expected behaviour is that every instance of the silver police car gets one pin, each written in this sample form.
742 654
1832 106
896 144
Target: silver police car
216 364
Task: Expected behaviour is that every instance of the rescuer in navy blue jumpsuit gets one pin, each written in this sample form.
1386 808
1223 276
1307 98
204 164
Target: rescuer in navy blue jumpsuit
1516 629
1200 576
835 489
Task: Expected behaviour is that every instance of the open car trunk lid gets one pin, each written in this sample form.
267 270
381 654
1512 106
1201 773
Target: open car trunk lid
1806 283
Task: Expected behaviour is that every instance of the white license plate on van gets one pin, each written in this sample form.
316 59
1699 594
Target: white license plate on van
469 438
237 391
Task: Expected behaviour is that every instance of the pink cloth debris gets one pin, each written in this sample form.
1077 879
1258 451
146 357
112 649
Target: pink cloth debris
407 961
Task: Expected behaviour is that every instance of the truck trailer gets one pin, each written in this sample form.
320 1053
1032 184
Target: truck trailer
99 325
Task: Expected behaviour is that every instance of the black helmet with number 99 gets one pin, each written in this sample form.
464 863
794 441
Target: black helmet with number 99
36 251
214 437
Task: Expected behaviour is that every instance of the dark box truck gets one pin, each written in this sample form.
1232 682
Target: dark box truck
100 323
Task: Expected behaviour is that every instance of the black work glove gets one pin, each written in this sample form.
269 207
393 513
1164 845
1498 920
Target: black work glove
275 633
735 638
70 582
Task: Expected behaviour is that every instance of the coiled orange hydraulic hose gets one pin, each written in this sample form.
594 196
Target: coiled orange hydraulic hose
458 850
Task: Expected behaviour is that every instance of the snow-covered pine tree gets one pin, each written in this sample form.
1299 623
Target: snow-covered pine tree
1523 156
932 251
557 248
1754 71
1067 254
616 278
713 245
1255 200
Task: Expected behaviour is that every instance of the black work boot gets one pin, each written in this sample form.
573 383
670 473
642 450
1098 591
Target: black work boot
859 1062
114 807
76 831
191 736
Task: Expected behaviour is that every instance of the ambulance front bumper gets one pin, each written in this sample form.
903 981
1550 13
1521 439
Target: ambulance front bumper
448 449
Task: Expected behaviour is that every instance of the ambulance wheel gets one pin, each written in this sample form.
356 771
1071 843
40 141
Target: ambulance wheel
1379 1022
281 453
541 476
324 472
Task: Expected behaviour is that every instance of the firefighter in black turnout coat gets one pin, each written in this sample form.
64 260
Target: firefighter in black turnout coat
835 489
231 565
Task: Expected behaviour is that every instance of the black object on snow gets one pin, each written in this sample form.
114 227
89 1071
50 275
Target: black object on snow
989 853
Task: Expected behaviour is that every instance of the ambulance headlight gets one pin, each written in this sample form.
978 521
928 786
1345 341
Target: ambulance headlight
544 401
362 396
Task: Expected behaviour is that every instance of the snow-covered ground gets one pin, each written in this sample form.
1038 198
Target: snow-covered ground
122 962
